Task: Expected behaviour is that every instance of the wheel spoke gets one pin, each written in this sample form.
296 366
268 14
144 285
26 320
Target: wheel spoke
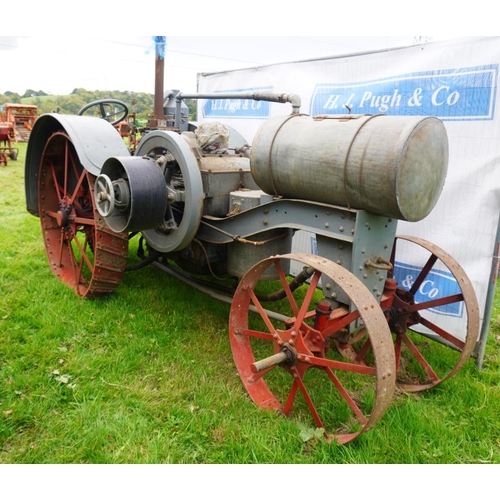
62 241
286 287
431 304
291 397
347 397
84 221
442 333
77 187
74 265
364 351
83 253
66 169
342 365
419 357
60 190
309 401
258 335
423 274
257 376
307 300
262 312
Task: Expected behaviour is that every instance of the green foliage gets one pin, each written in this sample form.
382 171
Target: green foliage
34 93
11 97
140 103
191 104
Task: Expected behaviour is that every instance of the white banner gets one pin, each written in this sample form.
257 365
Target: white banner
456 81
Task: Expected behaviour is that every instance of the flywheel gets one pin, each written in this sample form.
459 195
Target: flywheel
185 192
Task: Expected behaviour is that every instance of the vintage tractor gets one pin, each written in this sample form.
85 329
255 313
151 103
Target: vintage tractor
20 119
6 148
330 333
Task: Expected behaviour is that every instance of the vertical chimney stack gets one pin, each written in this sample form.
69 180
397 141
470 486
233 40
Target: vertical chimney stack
158 120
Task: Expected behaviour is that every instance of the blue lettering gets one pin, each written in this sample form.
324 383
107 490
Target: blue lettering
457 94
237 108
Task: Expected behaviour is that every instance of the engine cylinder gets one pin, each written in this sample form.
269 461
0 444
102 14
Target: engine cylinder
394 166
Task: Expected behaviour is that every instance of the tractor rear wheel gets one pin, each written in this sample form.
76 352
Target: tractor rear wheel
82 251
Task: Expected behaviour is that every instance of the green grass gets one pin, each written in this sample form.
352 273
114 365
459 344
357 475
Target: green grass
146 375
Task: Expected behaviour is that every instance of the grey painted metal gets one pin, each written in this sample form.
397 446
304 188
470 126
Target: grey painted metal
138 194
372 243
490 296
221 174
351 238
179 237
94 139
242 255
393 166
173 113
318 218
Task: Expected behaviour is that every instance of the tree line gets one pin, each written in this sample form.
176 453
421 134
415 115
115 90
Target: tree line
140 103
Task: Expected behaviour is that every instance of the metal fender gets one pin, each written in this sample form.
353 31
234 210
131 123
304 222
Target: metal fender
95 140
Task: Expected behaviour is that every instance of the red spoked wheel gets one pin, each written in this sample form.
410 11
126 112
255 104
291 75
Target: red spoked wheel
82 251
288 358
434 315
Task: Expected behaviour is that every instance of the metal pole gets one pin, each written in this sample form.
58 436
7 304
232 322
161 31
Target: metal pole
489 299
159 73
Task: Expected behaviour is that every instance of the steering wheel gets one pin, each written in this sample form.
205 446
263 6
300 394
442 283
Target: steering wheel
108 110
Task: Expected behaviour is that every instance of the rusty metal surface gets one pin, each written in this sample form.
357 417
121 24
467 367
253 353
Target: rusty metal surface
82 251
393 166
308 346
406 314
20 119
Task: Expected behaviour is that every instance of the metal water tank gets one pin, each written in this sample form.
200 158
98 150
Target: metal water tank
394 166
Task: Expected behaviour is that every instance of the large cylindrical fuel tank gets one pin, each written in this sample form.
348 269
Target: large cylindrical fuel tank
393 166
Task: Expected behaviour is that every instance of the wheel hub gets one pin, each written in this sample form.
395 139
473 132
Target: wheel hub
400 316
63 216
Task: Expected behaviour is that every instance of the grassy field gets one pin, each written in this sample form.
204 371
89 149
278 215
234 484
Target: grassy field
146 375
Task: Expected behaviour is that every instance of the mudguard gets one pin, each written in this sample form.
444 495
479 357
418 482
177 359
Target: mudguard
95 141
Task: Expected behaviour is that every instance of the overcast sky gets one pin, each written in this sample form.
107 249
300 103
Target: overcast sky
57 65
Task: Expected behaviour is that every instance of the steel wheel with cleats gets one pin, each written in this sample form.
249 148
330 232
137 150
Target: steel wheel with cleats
82 251
288 359
434 315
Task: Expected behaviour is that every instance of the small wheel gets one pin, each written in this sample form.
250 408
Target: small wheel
434 316
82 251
107 109
104 195
293 359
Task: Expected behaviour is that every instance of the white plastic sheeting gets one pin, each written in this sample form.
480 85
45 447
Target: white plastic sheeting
456 80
